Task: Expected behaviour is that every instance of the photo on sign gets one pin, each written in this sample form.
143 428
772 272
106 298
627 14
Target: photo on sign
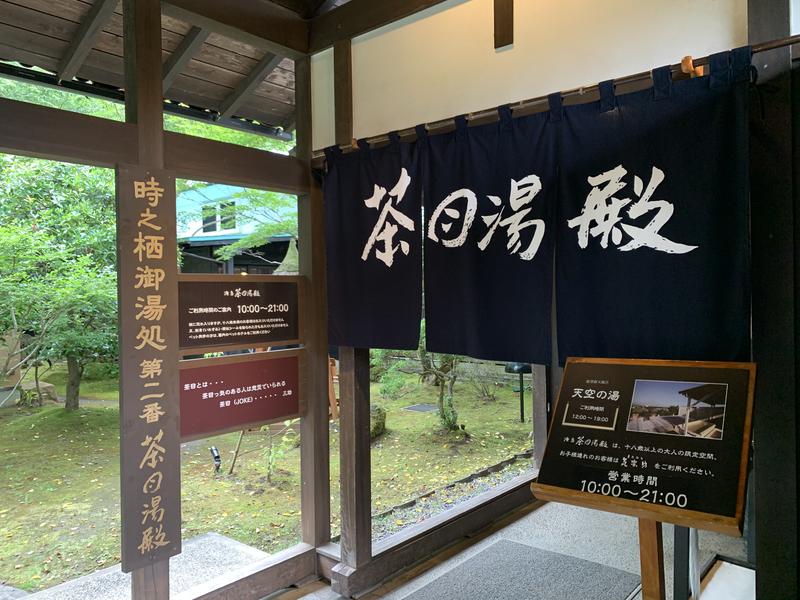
684 408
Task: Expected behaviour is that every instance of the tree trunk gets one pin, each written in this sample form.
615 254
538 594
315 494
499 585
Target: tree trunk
39 400
74 374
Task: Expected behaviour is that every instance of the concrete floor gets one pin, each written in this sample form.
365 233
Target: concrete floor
605 538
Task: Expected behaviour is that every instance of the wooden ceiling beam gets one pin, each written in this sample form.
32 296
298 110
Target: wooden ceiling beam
265 66
322 6
358 17
301 7
178 60
99 15
42 132
254 22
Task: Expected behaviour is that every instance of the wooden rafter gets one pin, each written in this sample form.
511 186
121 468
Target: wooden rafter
99 15
320 7
361 16
174 66
255 22
301 7
265 66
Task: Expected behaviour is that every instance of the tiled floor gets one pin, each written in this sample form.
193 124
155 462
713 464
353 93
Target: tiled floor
605 538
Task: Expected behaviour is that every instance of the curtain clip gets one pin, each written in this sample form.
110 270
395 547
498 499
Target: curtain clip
687 66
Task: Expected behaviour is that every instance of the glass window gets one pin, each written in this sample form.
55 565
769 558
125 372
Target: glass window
209 213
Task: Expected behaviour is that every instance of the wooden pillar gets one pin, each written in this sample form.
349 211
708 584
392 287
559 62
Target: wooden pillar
651 560
775 226
143 97
503 23
539 413
315 440
354 443
151 583
343 91
144 107
356 544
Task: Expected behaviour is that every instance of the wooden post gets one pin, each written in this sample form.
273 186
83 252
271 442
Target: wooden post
343 91
314 436
775 231
144 107
354 443
236 452
503 23
651 560
151 582
144 100
539 413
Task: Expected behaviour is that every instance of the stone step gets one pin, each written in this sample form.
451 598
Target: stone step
203 559
9 593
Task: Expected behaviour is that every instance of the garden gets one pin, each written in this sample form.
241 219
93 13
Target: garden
445 428
59 513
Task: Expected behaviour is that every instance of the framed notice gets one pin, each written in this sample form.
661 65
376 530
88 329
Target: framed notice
231 393
662 440
226 312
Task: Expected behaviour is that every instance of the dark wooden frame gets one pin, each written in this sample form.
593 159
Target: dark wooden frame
38 131
358 17
656 512
59 135
774 539
302 295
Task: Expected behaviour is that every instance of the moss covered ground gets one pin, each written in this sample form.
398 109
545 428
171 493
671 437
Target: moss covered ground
59 476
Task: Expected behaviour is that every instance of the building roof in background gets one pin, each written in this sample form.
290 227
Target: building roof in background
189 206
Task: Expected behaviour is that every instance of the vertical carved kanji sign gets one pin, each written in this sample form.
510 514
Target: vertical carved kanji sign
148 336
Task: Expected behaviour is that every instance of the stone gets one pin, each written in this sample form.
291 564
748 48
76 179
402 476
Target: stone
28 390
10 593
204 559
9 396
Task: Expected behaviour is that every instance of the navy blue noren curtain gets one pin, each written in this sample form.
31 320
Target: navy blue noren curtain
652 245
489 194
374 255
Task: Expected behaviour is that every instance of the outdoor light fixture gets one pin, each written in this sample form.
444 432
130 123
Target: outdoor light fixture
217 458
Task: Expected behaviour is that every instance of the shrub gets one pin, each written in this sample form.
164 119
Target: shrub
377 421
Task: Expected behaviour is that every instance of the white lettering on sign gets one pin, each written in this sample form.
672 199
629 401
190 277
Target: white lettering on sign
600 216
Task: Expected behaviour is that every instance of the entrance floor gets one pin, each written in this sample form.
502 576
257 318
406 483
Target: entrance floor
602 538
203 558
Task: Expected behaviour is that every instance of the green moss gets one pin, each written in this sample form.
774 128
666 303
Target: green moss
59 496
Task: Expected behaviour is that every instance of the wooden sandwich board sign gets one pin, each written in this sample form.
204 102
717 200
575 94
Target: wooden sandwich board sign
664 441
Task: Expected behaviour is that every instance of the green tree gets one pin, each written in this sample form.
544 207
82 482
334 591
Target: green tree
72 204
85 329
442 371
58 239
57 264
24 277
272 213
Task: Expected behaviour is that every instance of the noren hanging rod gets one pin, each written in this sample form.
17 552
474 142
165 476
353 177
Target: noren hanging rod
490 114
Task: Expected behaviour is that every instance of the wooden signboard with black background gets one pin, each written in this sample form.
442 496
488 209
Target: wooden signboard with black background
229 312
660 440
